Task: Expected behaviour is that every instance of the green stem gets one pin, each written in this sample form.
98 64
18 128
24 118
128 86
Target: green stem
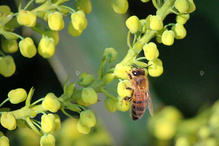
107 94
28 4
41 99
19 5
67 114
5 99
32 126
100 70
68 8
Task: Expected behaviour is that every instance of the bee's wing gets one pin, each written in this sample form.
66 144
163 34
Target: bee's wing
150 103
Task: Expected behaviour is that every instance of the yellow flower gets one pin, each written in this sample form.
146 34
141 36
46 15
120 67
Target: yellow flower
17 95
150 51
72 31
120 6
52 34
179 30
85 79
122 71
181 5
182 19
7 66
108 78
168 37
48 123
82 129
79 20
9 46
156 68
121 88
51 103
27 47
4 141
164 129
110 105
46 47
156 22
26 18
55 21
84 5
122 105
133 24
111 53
57 122
8 121
89 95
182 141
87 118
47 140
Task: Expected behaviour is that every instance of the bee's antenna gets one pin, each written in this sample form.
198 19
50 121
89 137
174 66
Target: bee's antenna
148 66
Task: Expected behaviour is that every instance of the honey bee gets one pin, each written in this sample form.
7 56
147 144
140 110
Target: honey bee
141 96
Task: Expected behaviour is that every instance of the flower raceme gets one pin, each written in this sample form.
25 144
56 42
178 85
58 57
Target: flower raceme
27 47
26 18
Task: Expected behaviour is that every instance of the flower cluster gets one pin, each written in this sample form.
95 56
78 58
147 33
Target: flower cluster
49 11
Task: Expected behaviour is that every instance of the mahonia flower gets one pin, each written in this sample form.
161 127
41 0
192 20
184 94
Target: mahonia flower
167 37
48 123
110 52
17 95
150 51
26 18
89 95
55 21
182 19
87 118
181 5
72 31
8 121
122 105
32 113
121 71
110 105
47 140
7 66
79 20
9 46
83 5
57 122
156 67
121 88
179 31
80 101
120 6
82 129
46 47
27 47
133 24
52 34
156 22
85 79
4 141
51 103
108 78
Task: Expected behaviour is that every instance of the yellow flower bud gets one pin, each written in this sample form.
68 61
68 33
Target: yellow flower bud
27 47
204 132
72 31
156 22
182 19
182 141
122 105
89 95
7 66
80 101
133 24
17 95
47 140
110 105
82 129
51 103
179 30
48 123
32 113
87 118
143 24
122 71
8 121
4 141
79 20
108 78
156 68
164 129
121 88
85 79
168 37
57 123
9 46
84 5
120 6
192 6
150 51
111 53
55 21
181 5
26 18
70 89
52 34
46 47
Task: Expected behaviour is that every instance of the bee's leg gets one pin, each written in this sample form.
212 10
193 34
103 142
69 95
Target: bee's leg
129 98
130 76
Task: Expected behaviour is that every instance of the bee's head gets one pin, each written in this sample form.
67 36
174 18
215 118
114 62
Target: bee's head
138 71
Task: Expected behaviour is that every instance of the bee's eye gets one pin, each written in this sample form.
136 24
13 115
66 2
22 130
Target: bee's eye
135 73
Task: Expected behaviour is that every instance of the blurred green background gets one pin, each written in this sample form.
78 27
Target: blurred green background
191 74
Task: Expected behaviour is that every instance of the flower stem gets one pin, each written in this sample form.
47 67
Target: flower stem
4 101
